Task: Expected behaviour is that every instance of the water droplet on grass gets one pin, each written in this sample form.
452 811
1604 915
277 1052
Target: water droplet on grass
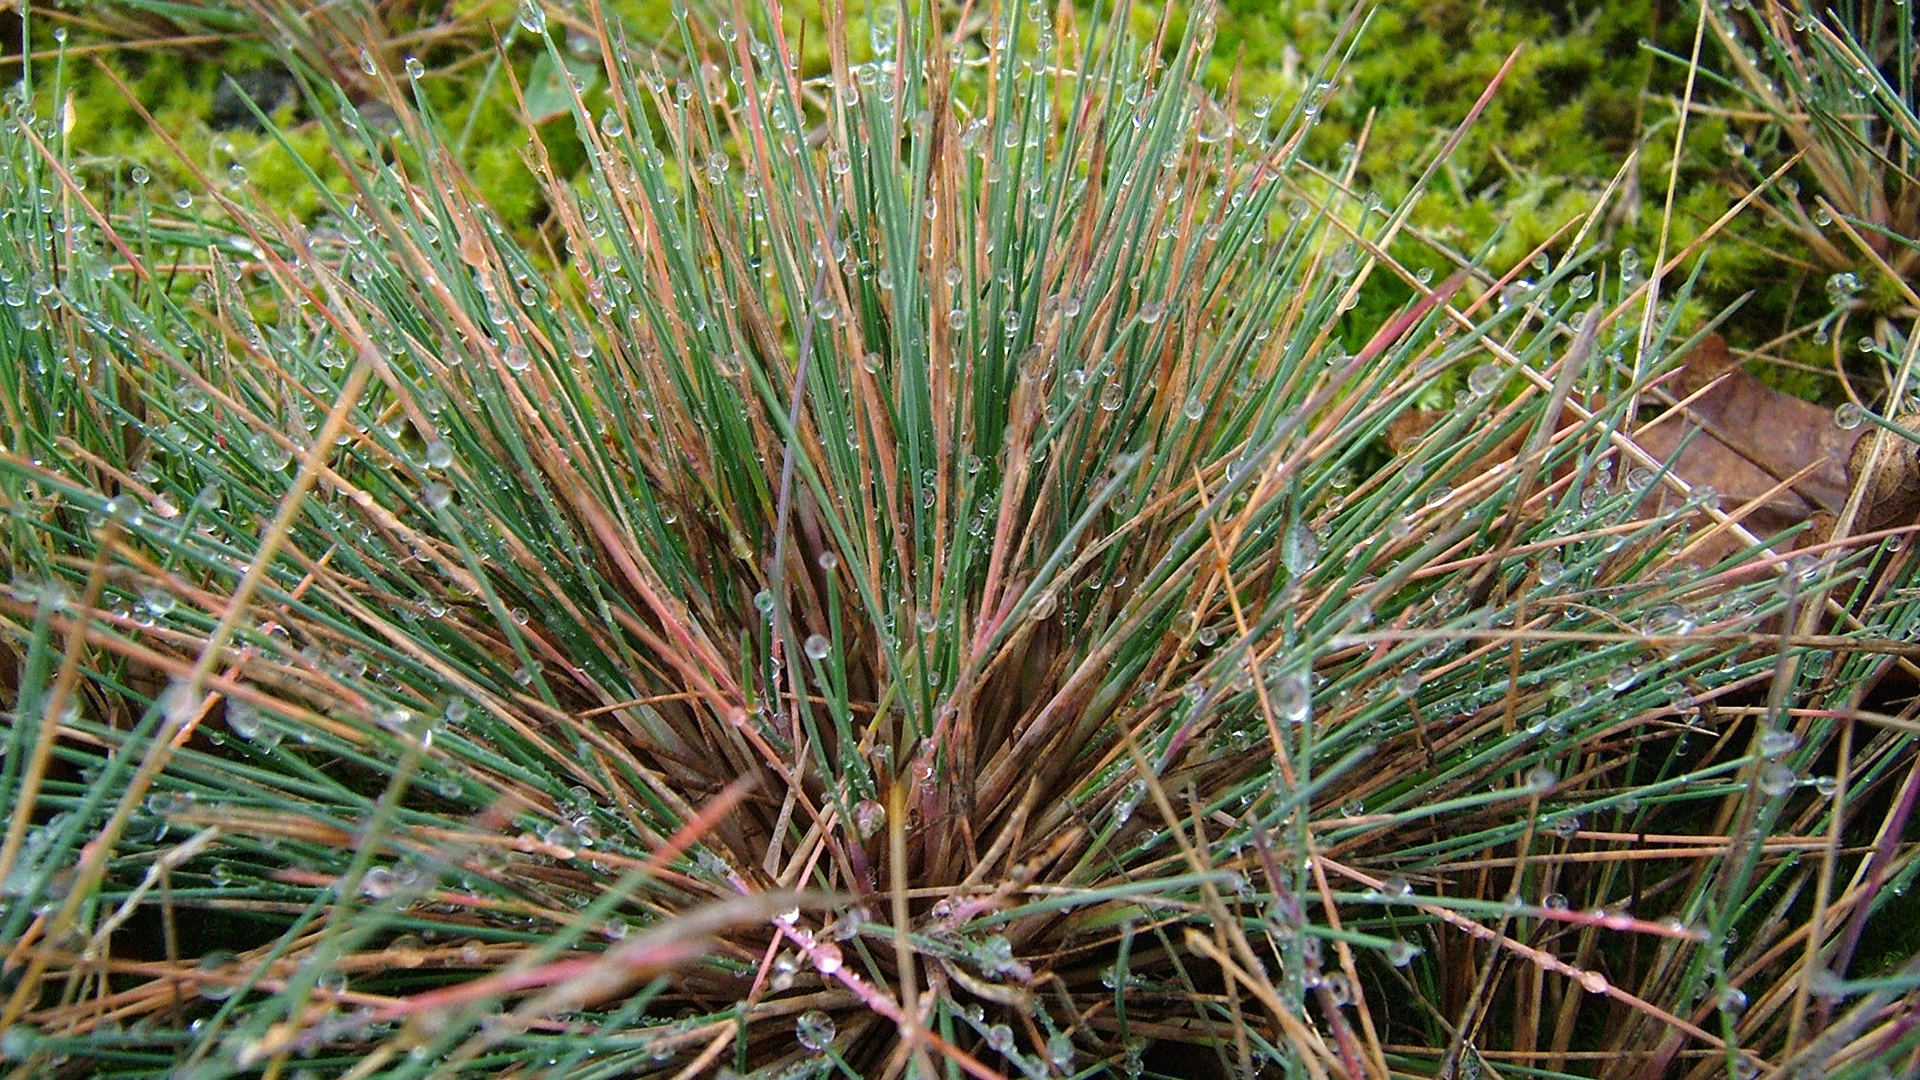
1339 990
210 963
827 958
179 702
1300 549
1776 742
814 1030
868 817
1842 288
1060 1051
1776 779
1669 620
1293 697
378 883
1484 378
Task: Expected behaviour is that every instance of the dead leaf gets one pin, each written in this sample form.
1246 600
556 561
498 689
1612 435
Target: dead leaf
1887 465
1744 439
1747 438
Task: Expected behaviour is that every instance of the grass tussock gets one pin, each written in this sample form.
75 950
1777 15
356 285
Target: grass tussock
907 582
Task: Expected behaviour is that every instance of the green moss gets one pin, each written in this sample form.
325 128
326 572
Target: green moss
177 93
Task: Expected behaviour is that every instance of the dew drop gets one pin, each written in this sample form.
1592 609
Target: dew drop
1300 549
1484 378
1542 779
1776 779
827 958
1339 990
210 963
378 883
1293 697
1060 1051
868 817
814 1030
1777 742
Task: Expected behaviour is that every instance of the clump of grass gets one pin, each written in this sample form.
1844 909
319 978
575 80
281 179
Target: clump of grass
919 593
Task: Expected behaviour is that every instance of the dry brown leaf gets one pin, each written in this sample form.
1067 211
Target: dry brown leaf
1746 440
1887 466
1750 438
